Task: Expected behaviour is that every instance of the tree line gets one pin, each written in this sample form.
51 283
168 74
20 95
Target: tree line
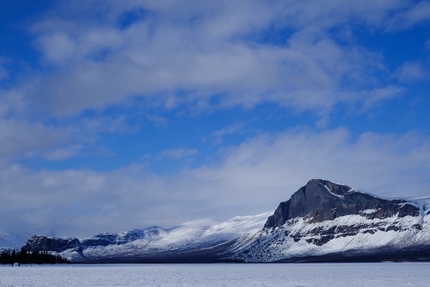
11 256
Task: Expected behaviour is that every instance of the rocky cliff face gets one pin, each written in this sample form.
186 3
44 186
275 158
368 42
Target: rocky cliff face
328 220
45 243
321 200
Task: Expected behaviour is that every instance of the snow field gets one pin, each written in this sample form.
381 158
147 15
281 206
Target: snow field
294 275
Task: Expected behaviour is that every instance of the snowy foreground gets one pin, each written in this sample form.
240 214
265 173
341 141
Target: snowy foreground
344 274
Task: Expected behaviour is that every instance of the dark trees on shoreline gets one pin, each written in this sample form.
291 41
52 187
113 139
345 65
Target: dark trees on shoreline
23 256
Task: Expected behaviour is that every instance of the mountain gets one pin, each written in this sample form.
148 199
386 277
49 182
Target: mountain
16 239
11 240
322 221
325 221
194 241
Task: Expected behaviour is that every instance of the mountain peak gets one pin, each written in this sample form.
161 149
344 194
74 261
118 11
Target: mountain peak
321 200
322 185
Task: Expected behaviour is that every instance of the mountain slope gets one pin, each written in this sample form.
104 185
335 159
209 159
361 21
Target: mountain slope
194 241
328 221
11 240
322 221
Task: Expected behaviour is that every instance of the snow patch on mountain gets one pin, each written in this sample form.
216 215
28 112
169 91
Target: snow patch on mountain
301 237
11 240
192 236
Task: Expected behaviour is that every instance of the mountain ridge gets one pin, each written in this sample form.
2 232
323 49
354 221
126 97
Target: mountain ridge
188 242
322 221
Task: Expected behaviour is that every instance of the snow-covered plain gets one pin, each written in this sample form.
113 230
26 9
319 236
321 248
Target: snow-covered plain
333 275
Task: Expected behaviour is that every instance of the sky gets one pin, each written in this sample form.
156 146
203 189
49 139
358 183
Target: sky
126 114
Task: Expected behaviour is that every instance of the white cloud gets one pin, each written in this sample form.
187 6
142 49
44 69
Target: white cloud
218 136
157 120
268 162
60 44
57 46
21 138
377 95
208 50
414 14
102 123
250 178
60 154
178 153
411 72
24 134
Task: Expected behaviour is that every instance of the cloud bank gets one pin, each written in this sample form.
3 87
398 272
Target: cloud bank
250 178
134 113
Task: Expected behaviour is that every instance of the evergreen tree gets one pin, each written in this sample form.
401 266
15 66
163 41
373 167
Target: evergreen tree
30 257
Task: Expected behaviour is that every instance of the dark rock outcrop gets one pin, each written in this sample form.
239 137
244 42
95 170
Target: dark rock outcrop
59 244
44 243
100 240
321 200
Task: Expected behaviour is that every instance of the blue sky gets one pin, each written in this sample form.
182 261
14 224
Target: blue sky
125 114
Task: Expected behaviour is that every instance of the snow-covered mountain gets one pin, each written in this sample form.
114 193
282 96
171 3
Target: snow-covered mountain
11 240
194 241
322 221
325 221
16 239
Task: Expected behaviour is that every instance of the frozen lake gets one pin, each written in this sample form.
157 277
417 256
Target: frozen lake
344 274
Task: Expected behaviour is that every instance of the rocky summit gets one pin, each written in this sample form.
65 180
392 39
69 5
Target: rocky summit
321 200
323 221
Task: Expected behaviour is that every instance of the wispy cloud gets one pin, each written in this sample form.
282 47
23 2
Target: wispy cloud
411 15
378 95
157 120
411 72
218 136
60 154
178 153
101 63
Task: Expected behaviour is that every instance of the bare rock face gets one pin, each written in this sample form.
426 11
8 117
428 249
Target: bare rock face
324 221
100 240
44 243
321 200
